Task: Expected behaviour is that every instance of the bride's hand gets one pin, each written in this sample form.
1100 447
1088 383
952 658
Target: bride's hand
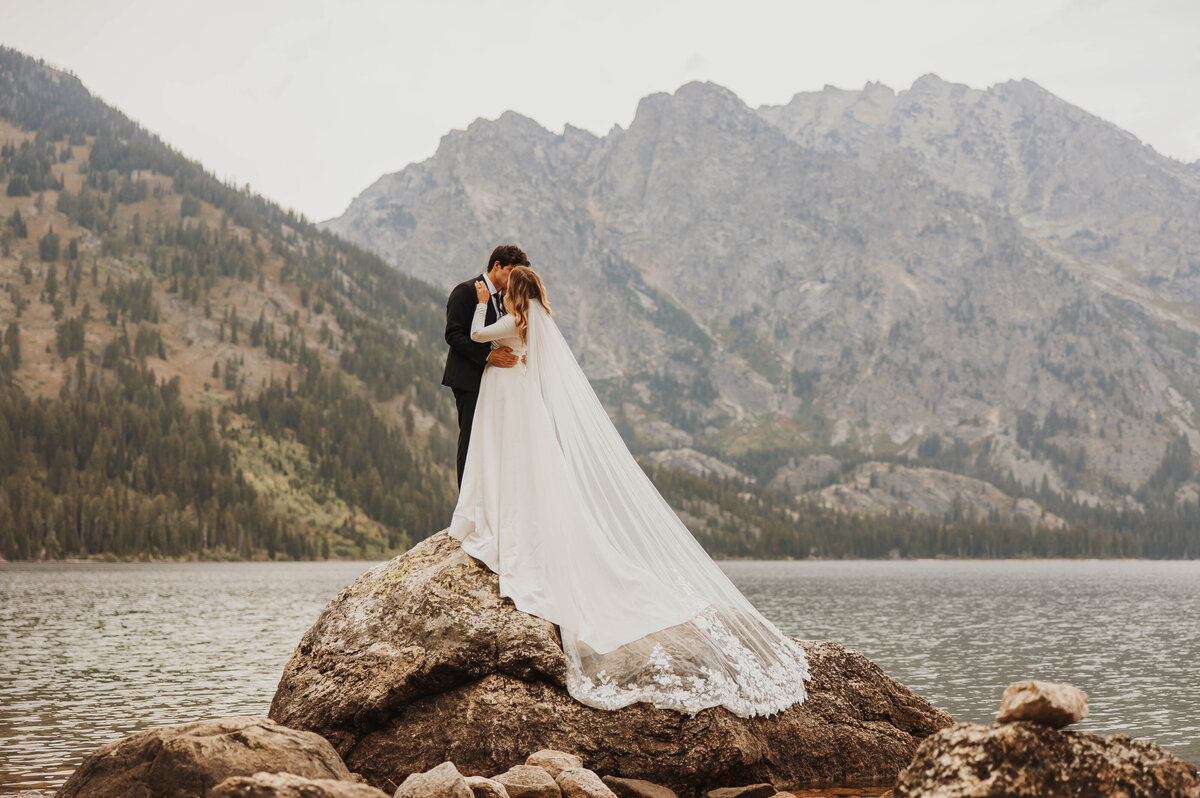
481 292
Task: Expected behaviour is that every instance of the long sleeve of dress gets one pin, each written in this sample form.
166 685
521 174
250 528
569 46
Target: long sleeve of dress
504 326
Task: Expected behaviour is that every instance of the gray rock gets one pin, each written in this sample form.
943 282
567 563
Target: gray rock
432 664
637 788
693 462
288 785
882 488
192 758
582 783
1025 759
553 762
804 472
443 781
528 781
1050 703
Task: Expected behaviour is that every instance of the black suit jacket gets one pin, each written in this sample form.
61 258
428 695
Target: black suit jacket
466 358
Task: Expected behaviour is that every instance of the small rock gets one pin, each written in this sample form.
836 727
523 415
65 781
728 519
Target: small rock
443 781
637 788
749 791
289 785
486 788
554 762
191 758
582 783
1032 760
528 781
1050 703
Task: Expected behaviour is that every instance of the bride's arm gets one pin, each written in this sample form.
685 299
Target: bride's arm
504 326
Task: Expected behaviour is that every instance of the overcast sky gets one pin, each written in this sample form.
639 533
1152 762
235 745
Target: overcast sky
309 101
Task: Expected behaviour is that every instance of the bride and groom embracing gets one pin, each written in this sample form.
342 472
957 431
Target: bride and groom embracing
552 501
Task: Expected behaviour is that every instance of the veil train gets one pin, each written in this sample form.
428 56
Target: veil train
691 640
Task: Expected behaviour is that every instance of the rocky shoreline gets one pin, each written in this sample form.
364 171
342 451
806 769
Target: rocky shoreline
419 680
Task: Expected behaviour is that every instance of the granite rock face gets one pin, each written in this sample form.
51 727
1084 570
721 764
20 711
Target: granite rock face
420 661
192 758
1049 703
1025 759
938 261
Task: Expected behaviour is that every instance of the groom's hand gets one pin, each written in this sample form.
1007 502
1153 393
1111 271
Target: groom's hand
503 357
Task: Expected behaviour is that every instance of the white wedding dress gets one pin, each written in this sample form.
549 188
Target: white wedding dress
554 503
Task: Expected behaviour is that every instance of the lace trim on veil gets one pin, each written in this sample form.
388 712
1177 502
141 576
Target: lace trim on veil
691 667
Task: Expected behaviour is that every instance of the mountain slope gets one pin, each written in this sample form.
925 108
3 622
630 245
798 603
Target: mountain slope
189 370
763 285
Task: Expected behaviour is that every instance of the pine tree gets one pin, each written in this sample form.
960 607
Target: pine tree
48 245
12 340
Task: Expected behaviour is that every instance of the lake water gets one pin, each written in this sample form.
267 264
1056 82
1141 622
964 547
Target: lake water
92 652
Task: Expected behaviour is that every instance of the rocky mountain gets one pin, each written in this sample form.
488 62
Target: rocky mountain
188 370
1077 184
991 283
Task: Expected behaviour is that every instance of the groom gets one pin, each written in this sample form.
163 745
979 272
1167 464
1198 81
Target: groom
466 359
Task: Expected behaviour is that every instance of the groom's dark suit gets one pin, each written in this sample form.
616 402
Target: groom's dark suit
466 358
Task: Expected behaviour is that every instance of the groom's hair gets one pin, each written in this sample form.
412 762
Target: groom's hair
508 255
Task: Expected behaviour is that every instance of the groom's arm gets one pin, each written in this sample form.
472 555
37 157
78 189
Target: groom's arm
460 310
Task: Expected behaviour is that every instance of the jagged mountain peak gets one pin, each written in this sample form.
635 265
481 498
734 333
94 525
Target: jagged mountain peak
937 260
700 99
930 82
509 125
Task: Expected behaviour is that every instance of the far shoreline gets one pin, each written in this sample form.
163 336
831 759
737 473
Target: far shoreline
719 559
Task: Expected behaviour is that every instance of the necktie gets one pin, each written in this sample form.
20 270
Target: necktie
498 298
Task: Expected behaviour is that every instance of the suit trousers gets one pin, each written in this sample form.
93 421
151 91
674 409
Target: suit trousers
465 401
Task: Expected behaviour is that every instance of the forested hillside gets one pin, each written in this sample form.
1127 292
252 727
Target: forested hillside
189 370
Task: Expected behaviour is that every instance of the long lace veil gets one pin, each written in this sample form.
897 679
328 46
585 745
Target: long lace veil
726 654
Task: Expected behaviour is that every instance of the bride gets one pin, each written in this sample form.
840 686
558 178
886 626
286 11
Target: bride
554 503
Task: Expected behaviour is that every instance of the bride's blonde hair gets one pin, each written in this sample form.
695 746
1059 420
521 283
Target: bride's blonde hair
524 285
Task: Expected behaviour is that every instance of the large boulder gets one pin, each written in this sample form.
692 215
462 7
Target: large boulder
420 661
1025 759
192 758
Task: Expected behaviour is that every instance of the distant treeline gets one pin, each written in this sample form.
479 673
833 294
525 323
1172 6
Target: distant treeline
745 520
118 465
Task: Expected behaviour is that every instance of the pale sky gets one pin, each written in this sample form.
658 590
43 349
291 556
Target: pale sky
309 101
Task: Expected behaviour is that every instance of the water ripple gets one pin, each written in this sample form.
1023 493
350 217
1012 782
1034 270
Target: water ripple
91 652
958 632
